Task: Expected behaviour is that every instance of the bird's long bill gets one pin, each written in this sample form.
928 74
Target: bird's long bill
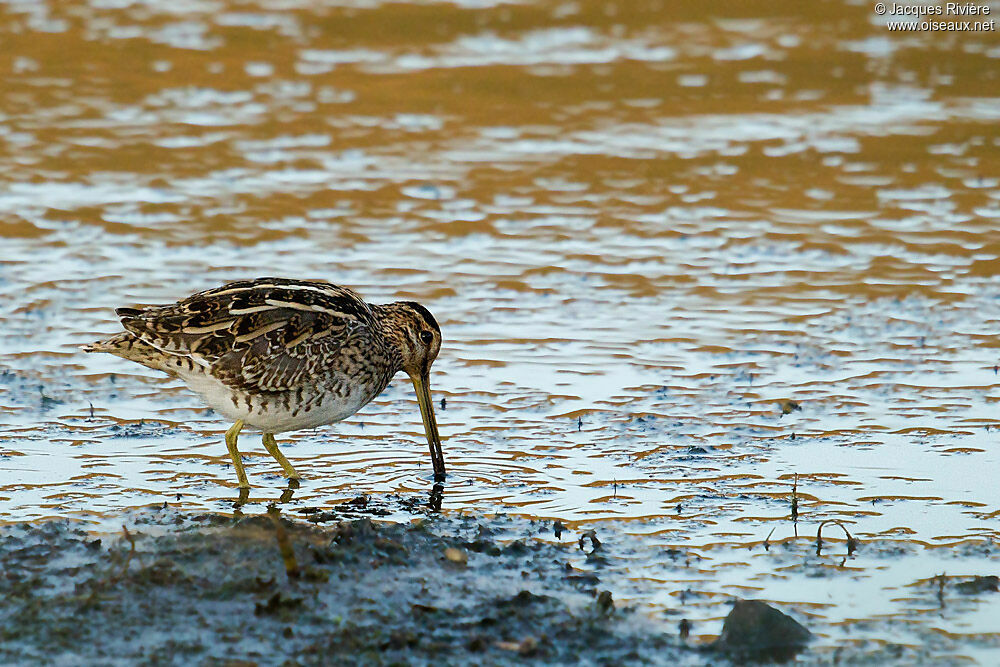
422 385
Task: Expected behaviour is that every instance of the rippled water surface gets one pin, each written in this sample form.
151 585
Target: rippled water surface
644 226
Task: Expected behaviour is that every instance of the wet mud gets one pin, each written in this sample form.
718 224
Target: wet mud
344 586
213 589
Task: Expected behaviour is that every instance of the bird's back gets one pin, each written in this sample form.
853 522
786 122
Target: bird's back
278 353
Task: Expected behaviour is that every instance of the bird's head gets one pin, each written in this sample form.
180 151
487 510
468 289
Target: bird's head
419 339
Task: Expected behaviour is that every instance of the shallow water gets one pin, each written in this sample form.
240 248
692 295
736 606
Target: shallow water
643 226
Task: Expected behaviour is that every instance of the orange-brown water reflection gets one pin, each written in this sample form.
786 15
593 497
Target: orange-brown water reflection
643 227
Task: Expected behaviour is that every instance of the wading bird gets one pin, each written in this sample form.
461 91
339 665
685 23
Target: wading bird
281 355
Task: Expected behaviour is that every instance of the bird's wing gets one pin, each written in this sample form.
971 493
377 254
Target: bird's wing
268 334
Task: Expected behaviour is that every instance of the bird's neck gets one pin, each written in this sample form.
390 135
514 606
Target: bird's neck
395 324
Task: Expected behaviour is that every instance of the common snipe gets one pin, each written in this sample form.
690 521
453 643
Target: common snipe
281 355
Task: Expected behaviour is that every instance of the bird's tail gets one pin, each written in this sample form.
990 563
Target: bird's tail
128 346
118 345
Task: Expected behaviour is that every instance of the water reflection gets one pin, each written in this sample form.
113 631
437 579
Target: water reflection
646 227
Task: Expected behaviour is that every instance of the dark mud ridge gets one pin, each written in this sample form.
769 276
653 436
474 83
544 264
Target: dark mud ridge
213 589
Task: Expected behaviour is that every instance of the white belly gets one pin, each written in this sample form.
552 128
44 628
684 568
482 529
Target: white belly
275 416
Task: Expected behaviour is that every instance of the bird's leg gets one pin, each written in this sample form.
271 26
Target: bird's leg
272 448
234 453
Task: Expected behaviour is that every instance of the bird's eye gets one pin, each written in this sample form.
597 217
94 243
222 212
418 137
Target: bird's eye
426 337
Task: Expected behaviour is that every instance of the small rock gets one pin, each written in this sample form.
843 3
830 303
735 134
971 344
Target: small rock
755 630
483 546
275 604
788 406
315 574
457 556
389 546
595 543
526 646
585 579
360 502
477 644
978 584
516 548
523 599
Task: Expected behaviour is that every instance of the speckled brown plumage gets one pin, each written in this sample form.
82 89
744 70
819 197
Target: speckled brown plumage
281 354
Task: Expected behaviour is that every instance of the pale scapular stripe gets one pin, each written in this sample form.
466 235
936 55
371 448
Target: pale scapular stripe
332 291
298 339
247 311
311 308
321 334
225 324
260 332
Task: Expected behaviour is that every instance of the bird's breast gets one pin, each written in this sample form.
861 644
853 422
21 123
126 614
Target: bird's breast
276 412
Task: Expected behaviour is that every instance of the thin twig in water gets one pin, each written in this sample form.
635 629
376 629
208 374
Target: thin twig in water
767 543
795 497
852 544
